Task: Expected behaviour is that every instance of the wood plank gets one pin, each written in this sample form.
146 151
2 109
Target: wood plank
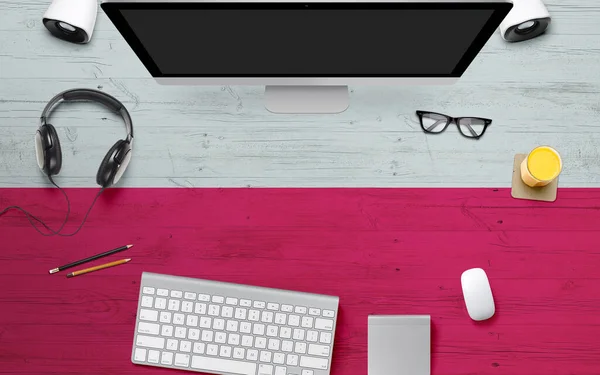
383 251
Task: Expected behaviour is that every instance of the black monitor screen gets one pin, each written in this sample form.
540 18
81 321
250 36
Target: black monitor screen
306 40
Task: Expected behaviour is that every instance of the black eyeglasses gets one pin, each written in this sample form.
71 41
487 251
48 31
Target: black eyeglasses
470 127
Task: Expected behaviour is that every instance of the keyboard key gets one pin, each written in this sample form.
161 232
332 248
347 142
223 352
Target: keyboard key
328 313
325 338
176 294
231 301
298 334
326 324
200 308
294 320
259 329
180 332
285 333
265 356
312 336
148 328
233 339
300 310
187 306
219 324
173 304
166 358
252 354
147 301
272 331
165 317
318 350
292 360
221 337
162 292
313 311
287 346
140 355
245 303
245 327
212 349
312 362
191 321
205 322
150 342
279 358
265 369
203 297
172 344
199 347
185 346
273 344
280 318
272 306
218 299
220 365
182 360
232 326
189 295
153 356
307 322
238 353
178 318
193 334
259 304
267 317
213 310
260 343
254 315
300 348
227 312
247 340
149 315
307 372
240 313
166 331
207 336
287 308
225 351
160 303
148 290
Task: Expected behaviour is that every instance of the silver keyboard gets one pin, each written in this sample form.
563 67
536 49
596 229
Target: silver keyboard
232 329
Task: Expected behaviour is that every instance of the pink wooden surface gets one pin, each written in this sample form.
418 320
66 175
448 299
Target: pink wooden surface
383 251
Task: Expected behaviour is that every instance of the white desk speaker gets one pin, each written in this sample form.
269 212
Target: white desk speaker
72 20
526 20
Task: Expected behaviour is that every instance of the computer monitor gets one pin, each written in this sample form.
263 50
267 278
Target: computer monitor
306 53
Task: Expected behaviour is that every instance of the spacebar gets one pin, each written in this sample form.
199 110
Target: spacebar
223 365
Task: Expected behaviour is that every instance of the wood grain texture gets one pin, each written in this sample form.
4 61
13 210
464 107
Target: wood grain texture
544 91
383 251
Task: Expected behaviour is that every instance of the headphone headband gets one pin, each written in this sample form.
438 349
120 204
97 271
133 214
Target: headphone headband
94 96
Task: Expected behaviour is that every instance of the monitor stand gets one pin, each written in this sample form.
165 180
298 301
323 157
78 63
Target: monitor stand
306 99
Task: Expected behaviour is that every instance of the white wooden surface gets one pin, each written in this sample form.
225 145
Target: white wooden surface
544 91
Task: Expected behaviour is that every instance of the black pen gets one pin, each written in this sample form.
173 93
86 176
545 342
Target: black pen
94 257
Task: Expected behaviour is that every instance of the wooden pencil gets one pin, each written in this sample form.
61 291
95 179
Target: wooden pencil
94 257
97 268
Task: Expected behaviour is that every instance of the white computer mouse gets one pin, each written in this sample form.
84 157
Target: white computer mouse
478 294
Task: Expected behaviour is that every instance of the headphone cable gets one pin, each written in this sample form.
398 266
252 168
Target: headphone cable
31 218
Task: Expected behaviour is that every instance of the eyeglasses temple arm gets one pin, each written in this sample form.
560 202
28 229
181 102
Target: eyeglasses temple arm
435 124
471 130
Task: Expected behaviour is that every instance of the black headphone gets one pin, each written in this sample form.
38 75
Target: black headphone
47 144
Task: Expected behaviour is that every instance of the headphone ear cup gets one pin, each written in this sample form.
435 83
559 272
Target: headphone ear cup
114 164
48 150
